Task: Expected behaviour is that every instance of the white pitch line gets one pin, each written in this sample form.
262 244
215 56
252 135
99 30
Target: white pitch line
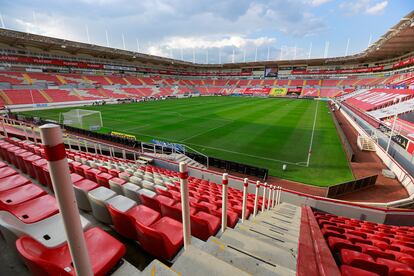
204 132
313 132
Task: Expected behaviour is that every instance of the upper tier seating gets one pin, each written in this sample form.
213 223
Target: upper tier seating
375 98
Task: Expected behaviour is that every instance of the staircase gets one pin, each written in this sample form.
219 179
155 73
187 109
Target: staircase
365 143
27 78
77 94
46 96
5 98
264 245
179 157
61 79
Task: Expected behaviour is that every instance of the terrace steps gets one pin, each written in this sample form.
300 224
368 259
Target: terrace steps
46 96
5 98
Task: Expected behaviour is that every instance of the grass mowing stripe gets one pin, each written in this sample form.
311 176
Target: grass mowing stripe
256 131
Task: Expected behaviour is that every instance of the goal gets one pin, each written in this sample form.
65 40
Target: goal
81 118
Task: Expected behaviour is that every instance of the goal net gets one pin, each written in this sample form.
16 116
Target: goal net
81 118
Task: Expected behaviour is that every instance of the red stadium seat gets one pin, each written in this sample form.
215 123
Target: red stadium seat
363 261
162 239
12 181
104 253
103 179
393 265
19 194
35 209
347 270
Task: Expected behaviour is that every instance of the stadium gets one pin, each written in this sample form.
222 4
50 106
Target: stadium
128 162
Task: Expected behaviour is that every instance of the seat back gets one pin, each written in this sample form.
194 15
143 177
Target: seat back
200 228
151 241
123 224
150 202
171 211
33 254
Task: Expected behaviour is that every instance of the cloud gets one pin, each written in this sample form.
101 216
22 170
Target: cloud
317 3
363 7
377 8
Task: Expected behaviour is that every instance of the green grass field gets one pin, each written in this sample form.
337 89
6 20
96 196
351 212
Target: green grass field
260 132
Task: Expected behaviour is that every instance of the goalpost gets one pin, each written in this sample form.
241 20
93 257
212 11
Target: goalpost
81 118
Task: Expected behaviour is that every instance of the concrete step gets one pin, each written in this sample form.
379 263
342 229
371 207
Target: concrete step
272 230
287 242
267 252
195 261
241 260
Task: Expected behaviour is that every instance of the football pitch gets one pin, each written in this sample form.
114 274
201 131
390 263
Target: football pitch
261 132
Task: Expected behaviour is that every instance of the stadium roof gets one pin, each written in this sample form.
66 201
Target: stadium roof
398 41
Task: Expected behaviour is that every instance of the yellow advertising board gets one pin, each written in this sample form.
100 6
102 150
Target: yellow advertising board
123 135
278 92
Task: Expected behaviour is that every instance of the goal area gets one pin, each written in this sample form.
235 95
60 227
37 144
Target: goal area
81 118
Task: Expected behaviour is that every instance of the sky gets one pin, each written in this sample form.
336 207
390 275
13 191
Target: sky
212 31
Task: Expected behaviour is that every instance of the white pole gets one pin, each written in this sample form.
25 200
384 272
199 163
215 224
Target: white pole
256 198
86 146
2 22
4 128
219 55
95 147
34 136
135 156
225 181
69 143
274 197
310 51
123 154
392 132
194 59
185 205
264 196
280 195
100 149
51 136
24 129
87 34
123 41
206 55
79 145
325 54
245 185
255 55
269 201
347 47
107 38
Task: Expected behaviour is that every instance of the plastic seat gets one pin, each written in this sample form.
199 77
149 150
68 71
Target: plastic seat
204 225
98 199
91 174
163 239
131 191
29 166
19 194
118 207
103 179
363 261
232 217
347 270
49 231
116 184
6 171
38 166
20 160
12 181
104 253
337 244
81 188
174 211
35 209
